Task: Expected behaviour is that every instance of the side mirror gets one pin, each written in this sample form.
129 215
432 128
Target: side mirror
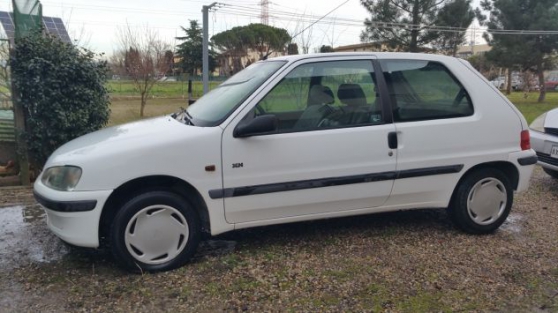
259 125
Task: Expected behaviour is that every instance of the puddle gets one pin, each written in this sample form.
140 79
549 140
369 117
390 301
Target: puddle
25 238
512 223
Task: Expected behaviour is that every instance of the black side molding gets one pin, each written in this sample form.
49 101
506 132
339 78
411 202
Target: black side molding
528 160
332 181
65 206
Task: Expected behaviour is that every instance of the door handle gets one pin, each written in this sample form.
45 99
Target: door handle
392 140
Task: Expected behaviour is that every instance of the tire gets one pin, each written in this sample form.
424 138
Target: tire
155 231
552 173
492 191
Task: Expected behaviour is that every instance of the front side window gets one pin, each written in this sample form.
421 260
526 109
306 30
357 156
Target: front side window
215 106
324 95
424 90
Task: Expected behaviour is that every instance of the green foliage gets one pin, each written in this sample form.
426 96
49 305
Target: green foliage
292 49
326 49
458 14
62 90
237 42
388 15
385 14
190 50
524 52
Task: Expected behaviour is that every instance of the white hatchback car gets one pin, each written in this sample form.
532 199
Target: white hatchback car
544 138
294 139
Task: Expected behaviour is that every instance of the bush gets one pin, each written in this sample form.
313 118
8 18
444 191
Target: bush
62 90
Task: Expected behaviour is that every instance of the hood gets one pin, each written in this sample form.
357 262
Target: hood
127 138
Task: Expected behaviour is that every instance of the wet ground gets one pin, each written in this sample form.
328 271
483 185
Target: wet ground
400 262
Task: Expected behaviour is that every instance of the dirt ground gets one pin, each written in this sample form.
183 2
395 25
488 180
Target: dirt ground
413 261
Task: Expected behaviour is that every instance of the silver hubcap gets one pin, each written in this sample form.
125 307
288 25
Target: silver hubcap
156 234
487 201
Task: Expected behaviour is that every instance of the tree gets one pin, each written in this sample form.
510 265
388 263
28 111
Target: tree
190 51
454 14
236 43
62 90
326 49
525 52
169 59
482 64
387 17
144 58
292 49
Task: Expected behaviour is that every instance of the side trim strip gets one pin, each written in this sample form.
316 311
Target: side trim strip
331 181
528 160
66 206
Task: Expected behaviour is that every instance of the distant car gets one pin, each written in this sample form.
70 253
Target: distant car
499 82
544 140
551 85
293 139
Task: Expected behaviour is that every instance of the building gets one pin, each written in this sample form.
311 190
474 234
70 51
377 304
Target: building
467 51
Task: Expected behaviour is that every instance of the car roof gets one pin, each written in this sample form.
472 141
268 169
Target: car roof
378 55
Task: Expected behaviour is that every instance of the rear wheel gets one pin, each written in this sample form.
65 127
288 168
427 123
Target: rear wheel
482 201
155 231
552 173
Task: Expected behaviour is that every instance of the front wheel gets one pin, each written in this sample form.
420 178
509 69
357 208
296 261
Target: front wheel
155 231
482 201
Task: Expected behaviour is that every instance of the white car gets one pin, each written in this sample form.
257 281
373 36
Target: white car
544 138
294 139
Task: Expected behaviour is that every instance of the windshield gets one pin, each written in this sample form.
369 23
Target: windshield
215 106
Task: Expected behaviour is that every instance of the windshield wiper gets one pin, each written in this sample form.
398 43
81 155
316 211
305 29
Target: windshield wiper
183 116
189 117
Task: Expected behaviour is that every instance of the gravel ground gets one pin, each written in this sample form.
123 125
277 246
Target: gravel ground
412 261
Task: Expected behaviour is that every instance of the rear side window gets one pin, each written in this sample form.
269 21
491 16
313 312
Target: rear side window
424 90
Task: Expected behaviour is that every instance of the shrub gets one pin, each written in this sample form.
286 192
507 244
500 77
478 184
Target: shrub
62 90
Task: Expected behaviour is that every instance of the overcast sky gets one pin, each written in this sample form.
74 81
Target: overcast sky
95 22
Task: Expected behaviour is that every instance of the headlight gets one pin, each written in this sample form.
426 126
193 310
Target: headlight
538 123
64 178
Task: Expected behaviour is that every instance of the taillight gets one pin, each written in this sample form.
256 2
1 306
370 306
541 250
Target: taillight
525 140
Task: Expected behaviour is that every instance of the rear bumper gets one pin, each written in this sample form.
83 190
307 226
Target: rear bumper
542 143
73 216
525 162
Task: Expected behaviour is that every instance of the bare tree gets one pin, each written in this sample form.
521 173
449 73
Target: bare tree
303 33
141 53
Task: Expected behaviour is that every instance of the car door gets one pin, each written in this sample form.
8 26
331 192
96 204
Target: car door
438 131
321 159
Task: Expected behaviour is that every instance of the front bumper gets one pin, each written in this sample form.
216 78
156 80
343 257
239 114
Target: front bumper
542 143
73 216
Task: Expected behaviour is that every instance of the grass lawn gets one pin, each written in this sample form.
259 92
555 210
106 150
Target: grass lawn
124 110
529 106
179 89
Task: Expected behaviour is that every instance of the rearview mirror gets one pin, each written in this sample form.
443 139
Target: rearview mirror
259 125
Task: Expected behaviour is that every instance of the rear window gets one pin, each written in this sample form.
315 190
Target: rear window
424 90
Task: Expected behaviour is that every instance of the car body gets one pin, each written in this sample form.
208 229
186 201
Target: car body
294 139
551 85
544 140
499 82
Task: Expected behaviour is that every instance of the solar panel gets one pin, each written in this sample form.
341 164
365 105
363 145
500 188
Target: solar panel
53 26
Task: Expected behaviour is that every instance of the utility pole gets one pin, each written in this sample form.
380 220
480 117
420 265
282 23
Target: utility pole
205 58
